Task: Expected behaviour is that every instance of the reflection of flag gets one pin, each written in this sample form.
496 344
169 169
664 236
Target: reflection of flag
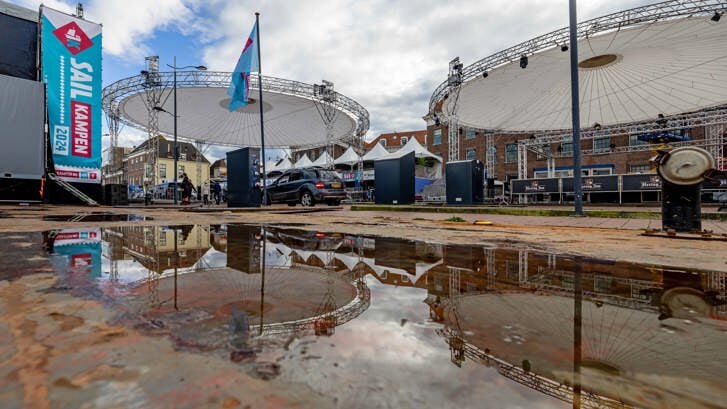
240 84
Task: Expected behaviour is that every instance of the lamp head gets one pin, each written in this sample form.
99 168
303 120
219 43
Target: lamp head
716 16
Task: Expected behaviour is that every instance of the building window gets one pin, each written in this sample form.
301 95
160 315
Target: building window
471 154
511 153
602 144
634 140
382 141
566 149
162 170
640 168
437 138
470 134
403 140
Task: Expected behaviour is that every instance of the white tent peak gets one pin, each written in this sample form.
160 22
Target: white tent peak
350 157
377 152
419 151
322 161
303 162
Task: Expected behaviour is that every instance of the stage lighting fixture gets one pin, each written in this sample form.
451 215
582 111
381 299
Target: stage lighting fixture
484 74
564 47
596 126
716 16
523 61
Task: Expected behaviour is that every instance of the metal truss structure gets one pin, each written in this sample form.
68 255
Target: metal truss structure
461 349
326 104
115 93
660 11
712 119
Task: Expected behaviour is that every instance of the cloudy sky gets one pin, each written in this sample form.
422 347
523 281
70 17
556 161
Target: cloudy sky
388 55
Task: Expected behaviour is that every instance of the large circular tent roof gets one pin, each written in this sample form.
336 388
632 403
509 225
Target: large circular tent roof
668 58
290 110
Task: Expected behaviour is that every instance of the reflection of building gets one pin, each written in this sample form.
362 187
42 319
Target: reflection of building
154 246
625 327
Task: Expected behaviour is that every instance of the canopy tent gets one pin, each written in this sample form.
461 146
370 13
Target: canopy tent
419 151
278 167
350 157
424 171
303 162
323 160
377 152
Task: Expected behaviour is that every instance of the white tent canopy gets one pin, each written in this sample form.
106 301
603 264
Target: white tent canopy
350 157
280 167
322 160
377 152
419 151
303 162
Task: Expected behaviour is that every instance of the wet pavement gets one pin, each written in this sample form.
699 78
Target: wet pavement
258 315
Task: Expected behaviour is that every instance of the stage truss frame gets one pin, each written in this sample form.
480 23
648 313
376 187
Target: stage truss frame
116 92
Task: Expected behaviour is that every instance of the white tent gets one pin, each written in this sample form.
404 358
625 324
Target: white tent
428 172
350 157
419 151
276 169
377 152
322 161
303 162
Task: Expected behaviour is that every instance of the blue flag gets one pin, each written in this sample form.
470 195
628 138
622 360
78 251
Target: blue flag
248 62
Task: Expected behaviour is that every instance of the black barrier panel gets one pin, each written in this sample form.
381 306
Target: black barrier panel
116 194
243 180
465 182
18 42
593 184
681 208
244 245
641 182
394 180
534 185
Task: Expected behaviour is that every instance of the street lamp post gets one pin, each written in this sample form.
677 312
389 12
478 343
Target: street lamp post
174 116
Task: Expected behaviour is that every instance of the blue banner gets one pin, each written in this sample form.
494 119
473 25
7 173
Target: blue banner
81 249
71 67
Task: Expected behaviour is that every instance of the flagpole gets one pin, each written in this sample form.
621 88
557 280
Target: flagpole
260 102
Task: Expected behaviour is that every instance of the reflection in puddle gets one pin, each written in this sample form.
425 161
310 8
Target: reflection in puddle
97 217
328 308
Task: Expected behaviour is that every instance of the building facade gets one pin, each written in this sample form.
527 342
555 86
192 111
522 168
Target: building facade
138 169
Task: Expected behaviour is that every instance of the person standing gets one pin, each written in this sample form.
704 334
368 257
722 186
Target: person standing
217 191
186 189
206 193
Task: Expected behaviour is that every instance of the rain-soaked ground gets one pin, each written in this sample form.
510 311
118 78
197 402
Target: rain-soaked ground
382 322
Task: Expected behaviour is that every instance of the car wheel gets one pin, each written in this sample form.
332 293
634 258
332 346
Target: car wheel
306 199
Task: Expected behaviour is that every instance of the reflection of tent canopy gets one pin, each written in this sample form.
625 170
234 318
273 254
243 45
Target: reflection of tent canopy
377 152
350 157
303 162
322 161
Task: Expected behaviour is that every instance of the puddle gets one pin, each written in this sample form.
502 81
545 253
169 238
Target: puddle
449 325
98 217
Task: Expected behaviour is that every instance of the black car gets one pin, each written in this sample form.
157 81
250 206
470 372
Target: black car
307 187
